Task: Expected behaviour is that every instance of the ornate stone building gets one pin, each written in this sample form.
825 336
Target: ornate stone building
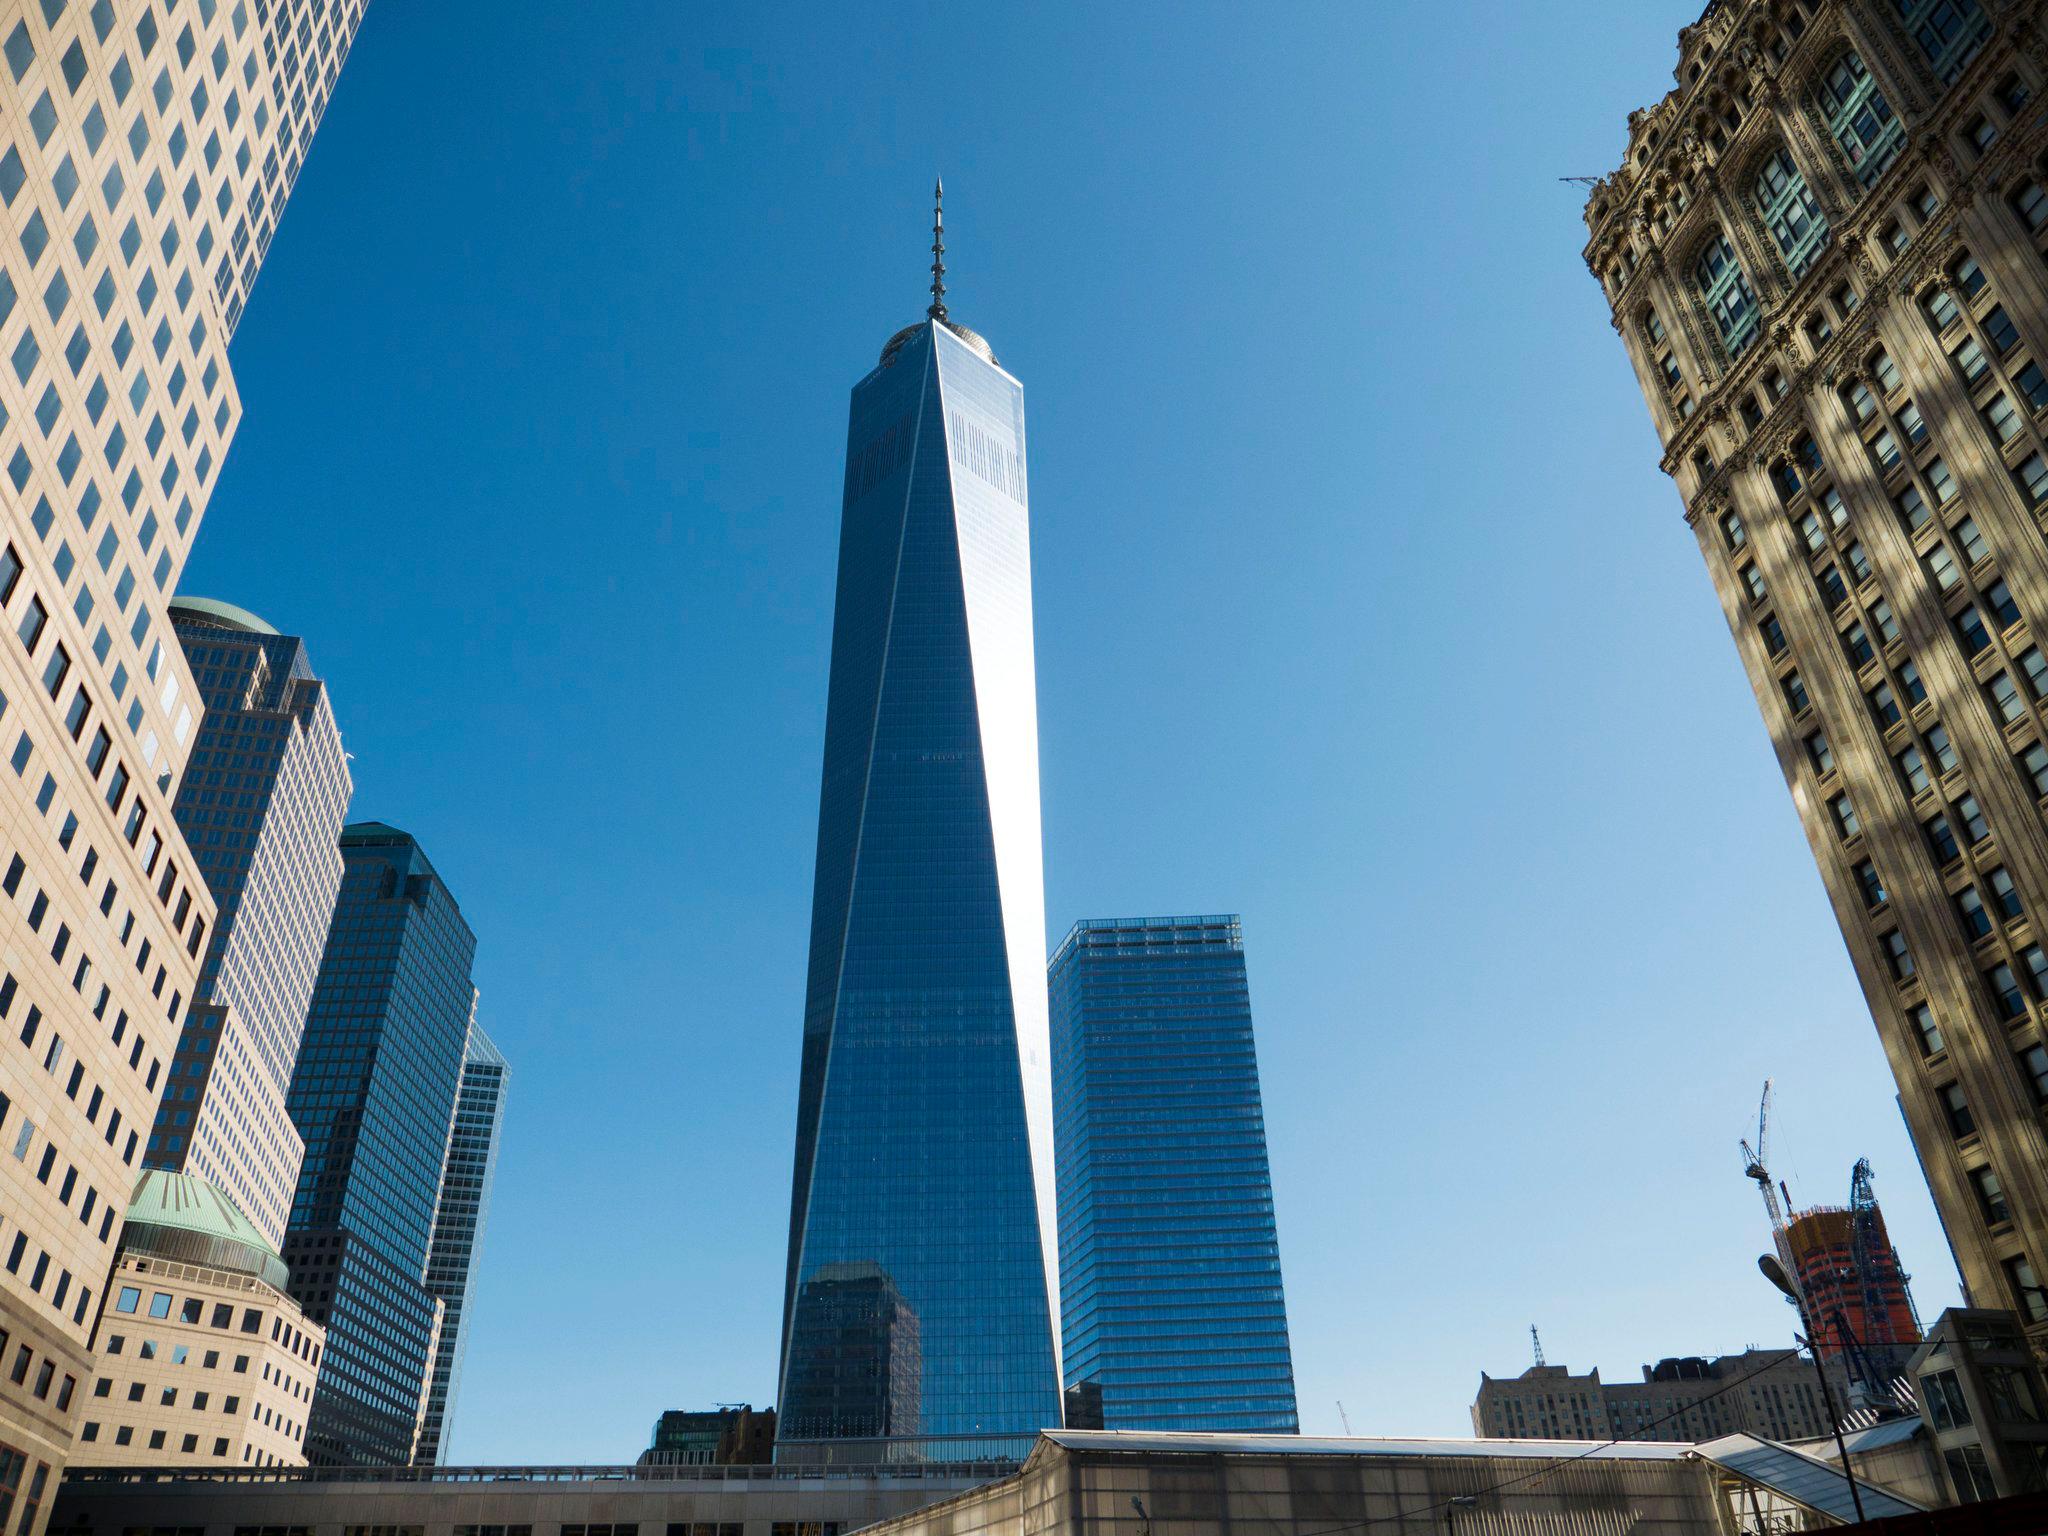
1824 254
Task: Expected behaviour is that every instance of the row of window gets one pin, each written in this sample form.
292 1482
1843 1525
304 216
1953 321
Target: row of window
1973 607
106 292
176 895
1855 114
195 1311
1799 232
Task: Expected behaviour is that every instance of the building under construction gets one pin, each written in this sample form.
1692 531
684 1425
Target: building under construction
1838 1266
1855 1288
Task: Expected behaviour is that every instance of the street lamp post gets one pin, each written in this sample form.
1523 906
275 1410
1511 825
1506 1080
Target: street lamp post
1451 1507
1775 1273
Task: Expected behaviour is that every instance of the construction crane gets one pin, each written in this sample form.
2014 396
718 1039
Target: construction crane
1755 1166
1868 1249
1536 1339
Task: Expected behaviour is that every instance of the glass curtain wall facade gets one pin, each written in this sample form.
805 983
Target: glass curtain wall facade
920 1224
147 148
374 1097
1173 1315
262 808
465 1206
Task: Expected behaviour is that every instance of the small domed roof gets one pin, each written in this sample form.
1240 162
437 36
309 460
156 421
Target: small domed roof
176 1216
211 610
973 339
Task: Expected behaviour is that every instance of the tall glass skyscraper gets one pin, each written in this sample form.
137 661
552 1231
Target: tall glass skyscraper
1169 1261
261 808
374 1097
921 1217
465 1205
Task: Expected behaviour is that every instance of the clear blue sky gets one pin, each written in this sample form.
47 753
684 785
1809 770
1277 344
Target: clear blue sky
1362 610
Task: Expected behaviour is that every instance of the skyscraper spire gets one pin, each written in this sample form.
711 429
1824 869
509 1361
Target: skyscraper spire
937 309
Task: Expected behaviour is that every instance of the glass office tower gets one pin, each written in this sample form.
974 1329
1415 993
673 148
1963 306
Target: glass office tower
262 807
459 1227
1169 1262
374 1097
920 1223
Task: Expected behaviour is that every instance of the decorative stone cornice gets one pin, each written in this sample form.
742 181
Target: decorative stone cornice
1849 243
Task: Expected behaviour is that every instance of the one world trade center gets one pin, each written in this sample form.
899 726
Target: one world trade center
923 1278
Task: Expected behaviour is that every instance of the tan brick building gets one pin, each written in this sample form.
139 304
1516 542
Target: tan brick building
1769 1392
147 148
201 1357
1824 254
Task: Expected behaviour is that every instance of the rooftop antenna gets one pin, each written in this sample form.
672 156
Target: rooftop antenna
937 308
1537 1339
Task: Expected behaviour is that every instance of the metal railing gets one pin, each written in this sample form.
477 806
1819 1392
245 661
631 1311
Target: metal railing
977 1471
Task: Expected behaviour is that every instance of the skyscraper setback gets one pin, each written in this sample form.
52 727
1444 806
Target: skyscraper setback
262 809
921 1222
146 152
1169 1258
1824 254
374 1096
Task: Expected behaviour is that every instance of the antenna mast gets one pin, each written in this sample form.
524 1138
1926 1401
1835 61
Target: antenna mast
937 309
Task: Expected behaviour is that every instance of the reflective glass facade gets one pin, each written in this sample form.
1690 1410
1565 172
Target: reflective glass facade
920 1285
262 808
1169 1261
459 1228
374 1097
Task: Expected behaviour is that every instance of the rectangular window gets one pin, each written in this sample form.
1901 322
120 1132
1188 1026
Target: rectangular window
2034 1062
1844 812
1925 1030
1956 1107
1990 1197
2026 1290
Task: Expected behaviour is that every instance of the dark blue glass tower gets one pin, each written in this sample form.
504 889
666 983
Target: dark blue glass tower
921 1280
1169 1262
374 1097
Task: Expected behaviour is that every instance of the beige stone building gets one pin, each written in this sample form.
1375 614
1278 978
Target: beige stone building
201 1356
1772 1393
147 148
1824 253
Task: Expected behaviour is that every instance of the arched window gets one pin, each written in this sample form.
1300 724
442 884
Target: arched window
1789 209
1727 295
1949 32
1861 120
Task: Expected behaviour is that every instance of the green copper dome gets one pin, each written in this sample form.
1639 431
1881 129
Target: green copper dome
176 1216
211 610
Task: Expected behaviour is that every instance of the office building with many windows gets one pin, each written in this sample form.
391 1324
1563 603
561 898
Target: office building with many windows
261 807
459 1218
1826 254
147 148
202 1359
1173 1313
374 1097
1769 1392
921 1231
